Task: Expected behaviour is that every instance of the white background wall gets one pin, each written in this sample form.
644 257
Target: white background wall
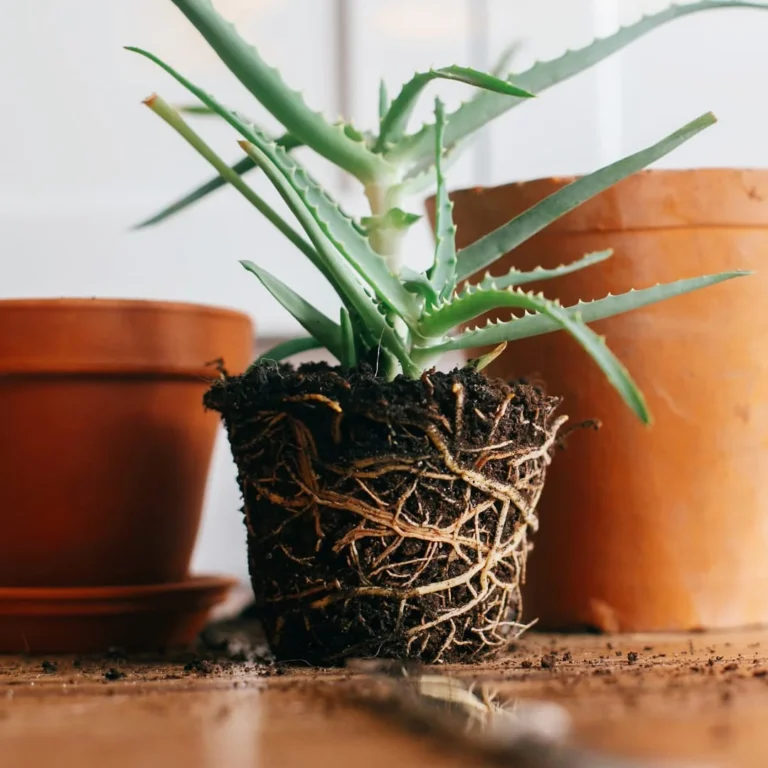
81 159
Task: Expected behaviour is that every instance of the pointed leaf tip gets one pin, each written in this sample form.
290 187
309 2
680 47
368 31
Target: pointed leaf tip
485 106
504 239
150 100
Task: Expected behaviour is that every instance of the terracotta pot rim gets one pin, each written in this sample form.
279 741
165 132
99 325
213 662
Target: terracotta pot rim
117 337
40 369
654 199
96 303
647 173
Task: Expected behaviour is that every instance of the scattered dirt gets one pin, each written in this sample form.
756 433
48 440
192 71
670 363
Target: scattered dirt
386 518
201 666
632 657
225 648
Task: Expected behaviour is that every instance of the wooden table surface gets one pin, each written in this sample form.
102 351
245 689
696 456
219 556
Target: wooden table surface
700 698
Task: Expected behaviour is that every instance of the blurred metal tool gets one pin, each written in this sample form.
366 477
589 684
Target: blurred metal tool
522 733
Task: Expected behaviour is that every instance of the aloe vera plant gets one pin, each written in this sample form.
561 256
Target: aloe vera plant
409 315
388 504
407 318
393 164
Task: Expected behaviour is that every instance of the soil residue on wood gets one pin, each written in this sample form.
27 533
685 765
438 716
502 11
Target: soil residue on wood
387 518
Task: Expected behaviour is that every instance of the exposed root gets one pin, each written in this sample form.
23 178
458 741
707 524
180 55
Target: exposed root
388 518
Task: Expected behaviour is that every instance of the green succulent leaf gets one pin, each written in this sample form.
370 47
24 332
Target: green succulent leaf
348 345
418 180
442 274
311 320
475 301
383 100
590 311
353 133
345 281
478 363
395 121
394 218
241 167
344 234
485 251
517 277
486 106
288 348
467 305
266 84
195 109
176 121
418 283
618 376
337 225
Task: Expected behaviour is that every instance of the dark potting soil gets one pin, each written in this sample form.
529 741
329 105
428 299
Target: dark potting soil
386 518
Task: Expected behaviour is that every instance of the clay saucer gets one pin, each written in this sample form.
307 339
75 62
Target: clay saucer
93 619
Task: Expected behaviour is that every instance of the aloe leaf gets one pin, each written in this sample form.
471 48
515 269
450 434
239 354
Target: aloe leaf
348 346
421 178
394 123
442 274
311 320
317 260
468 305
617 375
590 311
486 106
288 348
346 282
266 84
474 302
483 252
165 111
195 109
394 218
418 283
518 277
383 100
241 167
478 363
344 234
338 225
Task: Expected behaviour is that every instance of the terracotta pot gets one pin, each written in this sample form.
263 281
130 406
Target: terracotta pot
104 441
659 528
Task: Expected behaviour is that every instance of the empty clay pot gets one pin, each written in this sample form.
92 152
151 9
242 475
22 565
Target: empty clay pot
661 527
104 441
